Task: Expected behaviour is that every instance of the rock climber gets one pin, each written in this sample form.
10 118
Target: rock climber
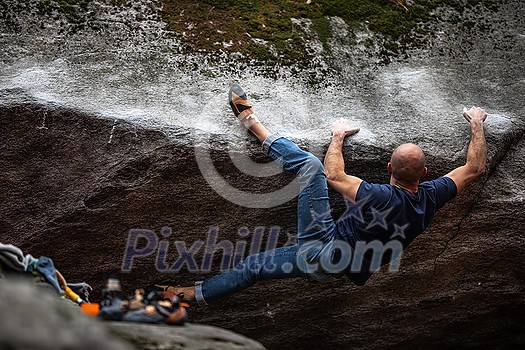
379 218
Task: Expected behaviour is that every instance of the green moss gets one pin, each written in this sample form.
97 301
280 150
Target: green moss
75 11
368 42
207 24
321 26
270 20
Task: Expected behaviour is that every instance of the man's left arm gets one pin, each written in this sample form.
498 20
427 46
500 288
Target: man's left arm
477 151
334 162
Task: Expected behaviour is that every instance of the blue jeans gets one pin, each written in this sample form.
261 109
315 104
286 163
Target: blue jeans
316 230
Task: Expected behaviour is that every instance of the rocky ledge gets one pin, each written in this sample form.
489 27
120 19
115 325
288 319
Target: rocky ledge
34 318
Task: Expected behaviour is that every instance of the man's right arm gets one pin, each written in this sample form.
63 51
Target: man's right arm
334 162
477 151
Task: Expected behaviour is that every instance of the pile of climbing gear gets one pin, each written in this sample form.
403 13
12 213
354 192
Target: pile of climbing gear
149 305
13 262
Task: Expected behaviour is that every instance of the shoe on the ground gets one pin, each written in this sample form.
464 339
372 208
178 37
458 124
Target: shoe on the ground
170 291
239 103
167 311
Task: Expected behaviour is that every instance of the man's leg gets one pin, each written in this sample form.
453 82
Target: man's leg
316 228
277 263
259 131
315 225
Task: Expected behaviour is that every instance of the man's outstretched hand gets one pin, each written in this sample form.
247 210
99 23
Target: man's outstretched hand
342 127
475 114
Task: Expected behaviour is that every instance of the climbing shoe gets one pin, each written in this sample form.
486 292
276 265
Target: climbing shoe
239 102
240 106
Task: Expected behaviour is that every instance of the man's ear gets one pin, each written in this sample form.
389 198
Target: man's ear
390 168
425 171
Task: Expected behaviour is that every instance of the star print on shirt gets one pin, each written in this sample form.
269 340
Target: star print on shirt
399 231
379 218
354 209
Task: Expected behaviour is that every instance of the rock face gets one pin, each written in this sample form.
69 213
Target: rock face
78 173
82 195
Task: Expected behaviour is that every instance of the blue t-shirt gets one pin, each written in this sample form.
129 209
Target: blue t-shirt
383 213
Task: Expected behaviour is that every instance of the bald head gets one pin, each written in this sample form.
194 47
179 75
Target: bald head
407 163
